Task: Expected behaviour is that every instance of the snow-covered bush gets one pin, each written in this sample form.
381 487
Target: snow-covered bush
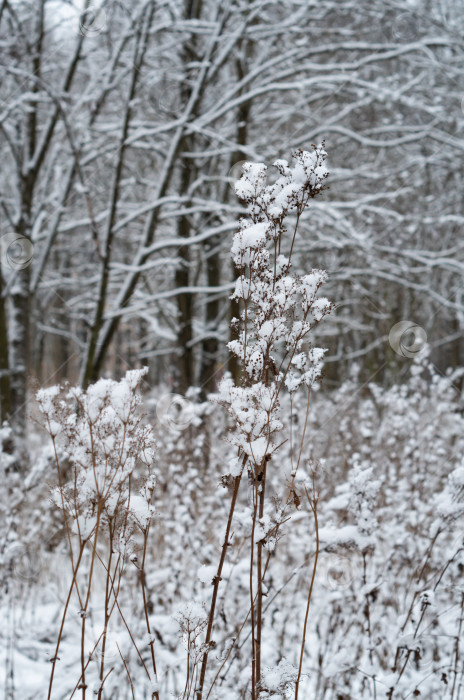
389 605
106 444
279 310
106 501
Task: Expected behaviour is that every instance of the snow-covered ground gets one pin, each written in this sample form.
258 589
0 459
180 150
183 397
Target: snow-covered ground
386 613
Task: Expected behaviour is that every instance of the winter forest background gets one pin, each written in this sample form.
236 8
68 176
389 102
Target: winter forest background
269 509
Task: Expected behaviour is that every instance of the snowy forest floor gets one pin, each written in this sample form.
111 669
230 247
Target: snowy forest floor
387 608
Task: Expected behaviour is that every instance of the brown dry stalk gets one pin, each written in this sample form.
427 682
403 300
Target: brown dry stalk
127 671
107 611
216 582
66 523
268 557
87 663
116 603
261 480
87 599
145 605
456 648
252 597
63 619
313 501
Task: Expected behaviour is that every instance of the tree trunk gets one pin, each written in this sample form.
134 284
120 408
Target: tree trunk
5 389
242 133
209 348
185 369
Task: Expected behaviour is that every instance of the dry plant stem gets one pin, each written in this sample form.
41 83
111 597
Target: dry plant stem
191 665
419 578
89 583
107 611
187 679
63 619
118 569
252 597
456 650
86 604
193 676
104 679
447 565
127 671
428 554
196 677
87 663
290 490
294 233
300 452
115 594
98 641
268 557
145 606
259 564
404 665
216 582
313 500
367 613
66 524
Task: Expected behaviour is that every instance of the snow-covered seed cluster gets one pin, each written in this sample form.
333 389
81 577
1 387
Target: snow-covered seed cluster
277 680
104 438
192 620
292 190
279 307
450 502
364 490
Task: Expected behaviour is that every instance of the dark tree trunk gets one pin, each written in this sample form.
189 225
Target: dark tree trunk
19 343
5 389
209 348
20 311
242 133
185 368
185 307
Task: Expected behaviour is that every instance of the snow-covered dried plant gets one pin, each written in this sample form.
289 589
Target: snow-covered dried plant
106 500
279 309
389 624
192 619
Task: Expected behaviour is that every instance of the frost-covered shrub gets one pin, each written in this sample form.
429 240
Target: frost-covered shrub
388 609
106 504
104 438
279 311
